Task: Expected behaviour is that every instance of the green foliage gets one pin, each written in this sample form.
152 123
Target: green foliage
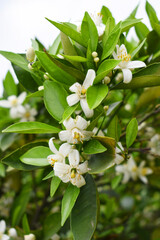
131 132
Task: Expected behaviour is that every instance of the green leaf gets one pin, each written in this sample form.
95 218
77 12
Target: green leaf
151 14
32 127
93 147
38 93
141 31
68 112
54 71
114 129
54 48
106 14
100 162
54 185
2 170
115 181
147 77
52 224
111 42
131 132
92 31
110 24
104 68
25 225
35 44
95 95
68 201
37 156
49 175
84 213
134 52
128 23
55 99
75 58
13 159
69 31
9 85
6 140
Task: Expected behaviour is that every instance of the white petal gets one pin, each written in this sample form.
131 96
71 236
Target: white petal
29 237
69 123
126 177
131 163
2 226
87 111
61 168
78 181
52 146
120 169
21 97
118 159
81 123
117 67
87 135
65 136
12 232
5 237
73 99
122 48
75 87
65 149
144 179
74 158
57 157
127 75
5 104
89 78
83 168
115 55
136 64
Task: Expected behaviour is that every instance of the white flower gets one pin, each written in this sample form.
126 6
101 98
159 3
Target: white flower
2 231
80 93
73 171
12 232
59 155
97 19
119 149
100 132
28 113
126 64
55 237
154 144
29 237
40 88
14 103
75 130
30 54
130 170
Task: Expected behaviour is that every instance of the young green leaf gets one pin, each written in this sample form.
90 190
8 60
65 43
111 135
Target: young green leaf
93 147
128 23
106 13
36 156
95 95
131 132
141 31
54 185
151 14
68 201
54 48
134 52
31 127
114 129
52 224
55 99
49 175
68 111
9 85
25 224
84 213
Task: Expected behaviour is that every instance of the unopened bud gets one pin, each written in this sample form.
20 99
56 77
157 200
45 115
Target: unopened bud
96 59
29 237
106 108
106 80
94 54
12 232
30 54
46 76
40 88
119 77
30 66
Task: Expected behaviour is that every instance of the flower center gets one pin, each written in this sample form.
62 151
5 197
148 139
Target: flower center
14 102
83 91
53 161
144 171
134 169
73 173
124 56
77 135
27 115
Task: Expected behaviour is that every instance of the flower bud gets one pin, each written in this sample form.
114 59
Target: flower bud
30 66
46 76
40 88
29 237
106 108
94 54
106 80
96 59
12 232
30 54
119 77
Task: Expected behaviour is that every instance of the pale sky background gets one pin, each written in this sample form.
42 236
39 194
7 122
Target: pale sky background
21 20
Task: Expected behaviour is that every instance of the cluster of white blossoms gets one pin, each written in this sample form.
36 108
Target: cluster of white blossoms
17 110
131 171
12 233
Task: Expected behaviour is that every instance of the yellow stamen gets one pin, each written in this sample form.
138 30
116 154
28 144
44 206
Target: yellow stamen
14 102
53 161
83 91
144 171
73 173
124 57
27 114
134 169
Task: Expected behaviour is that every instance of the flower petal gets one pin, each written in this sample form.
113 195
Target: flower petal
126 177
61 168
87 111
118 159
78 181
83 168
69 123
52 146
21 97
5 104
65 136
127 75
81 123
5 237
74 87
65 149
136 64
12 232
89 78
2 226
74 158
144 179
56 157
115 55
73 99
87 135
